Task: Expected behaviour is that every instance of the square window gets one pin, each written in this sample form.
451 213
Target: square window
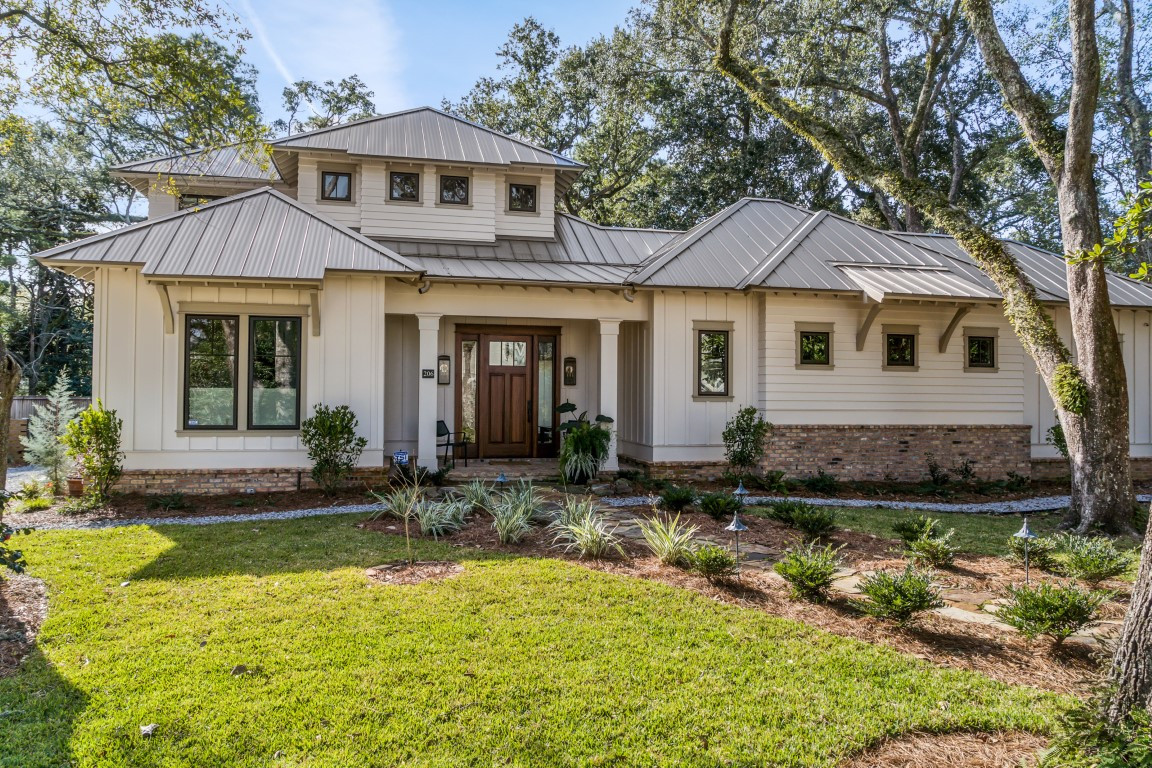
900 350
981 352
522 198
712 363
336 186
404 187
454 190
815 348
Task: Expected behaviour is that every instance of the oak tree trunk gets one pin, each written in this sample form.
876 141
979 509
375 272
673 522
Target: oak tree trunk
1131 676
9 383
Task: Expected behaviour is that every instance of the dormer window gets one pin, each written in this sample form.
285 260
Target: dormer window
522 198
404 187
336 186
454 190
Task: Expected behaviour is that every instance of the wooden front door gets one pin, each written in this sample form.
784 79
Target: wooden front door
506 391
506 395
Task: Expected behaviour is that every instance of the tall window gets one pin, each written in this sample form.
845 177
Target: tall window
712 363
336 186
454 190
210 372
274 386
522 198
404 187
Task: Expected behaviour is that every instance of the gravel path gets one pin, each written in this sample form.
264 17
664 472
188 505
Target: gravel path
1040 504
289 514
17 475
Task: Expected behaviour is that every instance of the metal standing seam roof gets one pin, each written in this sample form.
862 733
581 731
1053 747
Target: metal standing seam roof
261 234
425 133
235 161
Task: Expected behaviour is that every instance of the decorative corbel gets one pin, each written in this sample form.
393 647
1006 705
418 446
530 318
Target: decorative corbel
866 326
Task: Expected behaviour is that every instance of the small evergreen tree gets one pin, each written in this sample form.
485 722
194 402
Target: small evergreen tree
744 437
46 427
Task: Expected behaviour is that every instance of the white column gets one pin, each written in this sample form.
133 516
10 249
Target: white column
426 430
609 383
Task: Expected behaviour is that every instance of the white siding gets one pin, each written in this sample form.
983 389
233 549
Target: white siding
857 390
635 366
541 224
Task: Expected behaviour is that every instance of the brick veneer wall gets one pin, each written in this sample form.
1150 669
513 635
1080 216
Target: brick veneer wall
897 453
224 481
1057 469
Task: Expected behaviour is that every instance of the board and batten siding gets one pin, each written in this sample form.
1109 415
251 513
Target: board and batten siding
137 370
1135 329
685 427
634 425
857 389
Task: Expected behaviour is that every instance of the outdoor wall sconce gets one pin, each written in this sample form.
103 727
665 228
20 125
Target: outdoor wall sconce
569 371
444 369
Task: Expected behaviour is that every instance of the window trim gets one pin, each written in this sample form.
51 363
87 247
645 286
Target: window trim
900 330
826 328
983 333
295 426
184 376
351 186
535 184
699 327
419 187
467 189
243 311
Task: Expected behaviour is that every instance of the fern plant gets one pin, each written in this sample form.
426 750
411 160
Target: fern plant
584 445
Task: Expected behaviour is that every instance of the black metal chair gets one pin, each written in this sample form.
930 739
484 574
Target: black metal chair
450 443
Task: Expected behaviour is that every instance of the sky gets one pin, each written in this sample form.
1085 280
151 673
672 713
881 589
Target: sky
409 52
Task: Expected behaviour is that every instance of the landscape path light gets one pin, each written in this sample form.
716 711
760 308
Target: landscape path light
1025 533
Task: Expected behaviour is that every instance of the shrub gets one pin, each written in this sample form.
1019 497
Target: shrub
899 596
46 427
782 511
80 506
589 535
936 551
511 518
911 530
744 437
35 504
524 494
772 481
1092 559
11 559
821 482
93 442
1052 610
1084 739
478 494
677 498
670 541
1041 552
411 474
34 489
937 475
169 501
333 446
719 505
809 570
714 563
441 518
584 445
814 521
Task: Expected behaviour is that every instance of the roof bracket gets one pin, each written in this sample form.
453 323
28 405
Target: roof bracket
952 326
166 308
314 300
862 334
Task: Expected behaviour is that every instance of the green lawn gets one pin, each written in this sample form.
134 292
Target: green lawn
517 661
975 534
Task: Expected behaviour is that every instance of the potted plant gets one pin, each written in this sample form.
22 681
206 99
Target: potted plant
584 445
75 486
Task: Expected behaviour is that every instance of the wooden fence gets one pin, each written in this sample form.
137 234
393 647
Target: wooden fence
25 405
22 408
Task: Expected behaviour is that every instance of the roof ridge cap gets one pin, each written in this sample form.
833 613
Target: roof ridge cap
773 258
661 257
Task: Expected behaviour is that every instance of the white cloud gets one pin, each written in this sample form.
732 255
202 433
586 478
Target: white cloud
305 39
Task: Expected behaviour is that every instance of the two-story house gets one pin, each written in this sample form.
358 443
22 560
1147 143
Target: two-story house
414 266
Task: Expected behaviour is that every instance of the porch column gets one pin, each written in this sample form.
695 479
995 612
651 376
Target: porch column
609 385
426 426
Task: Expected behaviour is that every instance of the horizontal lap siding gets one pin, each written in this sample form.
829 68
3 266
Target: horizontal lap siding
858 391
428 220
541 225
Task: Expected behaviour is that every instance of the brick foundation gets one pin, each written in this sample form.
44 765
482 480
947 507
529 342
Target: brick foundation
225 481
897 453
681 471
1057 469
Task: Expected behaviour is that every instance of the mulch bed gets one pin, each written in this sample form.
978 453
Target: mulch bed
414 573
999 654
23 608
952 750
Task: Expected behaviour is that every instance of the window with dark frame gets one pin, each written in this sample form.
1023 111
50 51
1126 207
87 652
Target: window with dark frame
404 187
454 190
210 380
712 363
195 201
981 351
336 186
900 350
274 372
815 348
522 198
